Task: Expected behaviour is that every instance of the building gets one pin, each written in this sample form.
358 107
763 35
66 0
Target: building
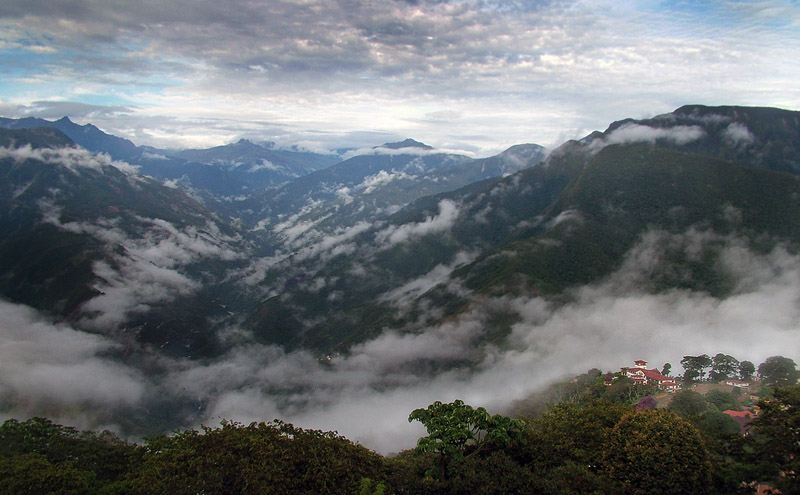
640 375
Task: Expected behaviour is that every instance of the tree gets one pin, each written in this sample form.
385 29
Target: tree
694 367
688 403
657 453
778 371
723 367
667 369
456 427
275 458
40 449
721 400
776 431
746 370
567 443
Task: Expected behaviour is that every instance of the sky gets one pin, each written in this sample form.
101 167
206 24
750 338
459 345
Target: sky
473 76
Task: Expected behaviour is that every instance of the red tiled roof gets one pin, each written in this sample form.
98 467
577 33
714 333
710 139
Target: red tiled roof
655 375
738 414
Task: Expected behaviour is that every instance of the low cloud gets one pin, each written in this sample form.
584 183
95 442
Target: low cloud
73 159
404 295
374 182
367 393
394 234
52 369
637 133
738 134
151 266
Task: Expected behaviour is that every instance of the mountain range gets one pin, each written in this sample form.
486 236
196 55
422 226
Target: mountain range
192 254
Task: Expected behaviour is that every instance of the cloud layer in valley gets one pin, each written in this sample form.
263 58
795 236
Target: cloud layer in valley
368 393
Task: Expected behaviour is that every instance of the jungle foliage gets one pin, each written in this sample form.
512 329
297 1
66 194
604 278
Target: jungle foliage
586 445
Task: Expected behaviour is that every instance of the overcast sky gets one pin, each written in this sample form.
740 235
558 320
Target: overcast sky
469 75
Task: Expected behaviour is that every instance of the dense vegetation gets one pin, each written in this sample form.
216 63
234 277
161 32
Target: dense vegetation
592 439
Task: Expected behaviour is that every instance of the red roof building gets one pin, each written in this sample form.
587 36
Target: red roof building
742 417
643 376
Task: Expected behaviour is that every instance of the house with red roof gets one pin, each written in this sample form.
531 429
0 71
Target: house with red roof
640 375
742 417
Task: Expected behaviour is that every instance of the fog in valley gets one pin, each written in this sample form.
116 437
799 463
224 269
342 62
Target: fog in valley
92 381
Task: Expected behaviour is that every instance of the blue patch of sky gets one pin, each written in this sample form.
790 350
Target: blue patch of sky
727 15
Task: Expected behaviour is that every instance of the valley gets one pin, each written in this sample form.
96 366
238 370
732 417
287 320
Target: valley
248 282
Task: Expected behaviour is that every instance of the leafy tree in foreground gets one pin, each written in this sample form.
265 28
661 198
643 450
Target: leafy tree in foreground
37 449
455 427
566 444
779 371
657 453
275 458
776 438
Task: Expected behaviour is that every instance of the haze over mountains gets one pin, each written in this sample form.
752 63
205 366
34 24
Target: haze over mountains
148 289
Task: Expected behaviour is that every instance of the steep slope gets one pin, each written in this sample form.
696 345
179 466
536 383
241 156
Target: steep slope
571 220
368 188
751 136
628 190
86 239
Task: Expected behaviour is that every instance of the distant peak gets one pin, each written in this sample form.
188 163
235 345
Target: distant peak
65 120
408 143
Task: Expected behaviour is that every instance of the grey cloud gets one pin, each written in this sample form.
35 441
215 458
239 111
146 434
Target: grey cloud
48 369
739 134
607 325
637 133
395 234
72 158
368 393
150 268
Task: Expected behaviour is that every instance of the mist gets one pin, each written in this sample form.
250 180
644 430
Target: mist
368 393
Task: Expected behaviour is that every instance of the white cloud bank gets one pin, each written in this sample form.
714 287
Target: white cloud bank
637 133
55 370
73 159
367 394
394 234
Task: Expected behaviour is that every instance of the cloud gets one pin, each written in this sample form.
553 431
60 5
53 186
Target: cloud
477 76
54 370
374 182
404 295
367 393
638 133
739 134
395 234
149 268
73 159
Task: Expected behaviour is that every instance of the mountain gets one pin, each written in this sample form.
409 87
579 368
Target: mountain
221 171
386 275
88 240
367 188
571 220
402 237
87 136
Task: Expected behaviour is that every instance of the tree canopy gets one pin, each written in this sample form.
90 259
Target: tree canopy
695 367
779 371
657 452
455 427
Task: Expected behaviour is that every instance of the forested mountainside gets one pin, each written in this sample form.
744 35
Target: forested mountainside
400 267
